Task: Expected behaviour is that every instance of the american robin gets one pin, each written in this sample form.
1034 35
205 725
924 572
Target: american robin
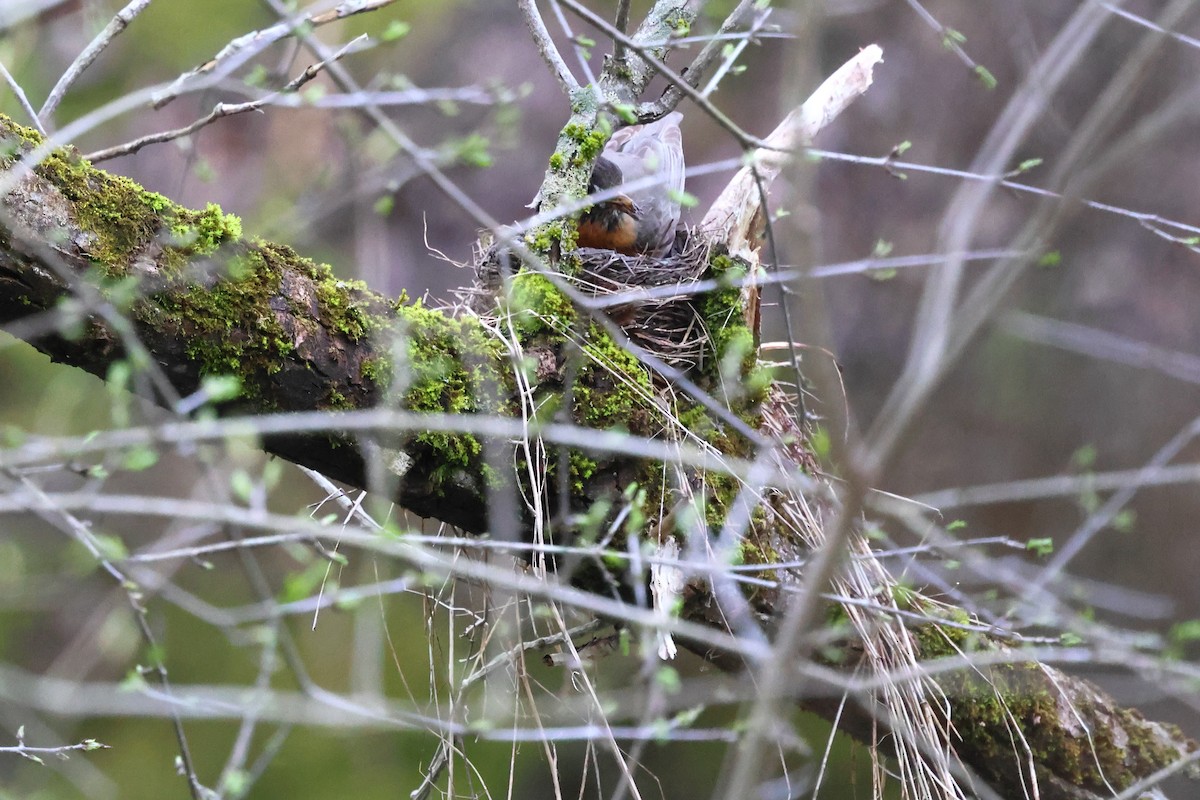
644 220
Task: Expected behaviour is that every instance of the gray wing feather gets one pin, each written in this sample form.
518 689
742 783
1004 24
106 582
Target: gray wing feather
654 149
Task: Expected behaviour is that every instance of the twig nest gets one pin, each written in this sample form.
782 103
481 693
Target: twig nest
649 297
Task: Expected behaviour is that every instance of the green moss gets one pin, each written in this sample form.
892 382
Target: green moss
16 140
723 312
613 387
128 221
581 469
538 306
450 368
337 307
552 239
376 370
125 220
590 147
557 162
229 326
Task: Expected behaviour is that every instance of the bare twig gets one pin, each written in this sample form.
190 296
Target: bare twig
545 45
669 74
41 504
222 110
1155 223
730 58
730 217
712 48
22 99
582 53
943 327
951 39
35 753
622 24
89 54
245 47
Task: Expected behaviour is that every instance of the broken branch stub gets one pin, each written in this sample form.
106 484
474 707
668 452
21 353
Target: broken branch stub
737 218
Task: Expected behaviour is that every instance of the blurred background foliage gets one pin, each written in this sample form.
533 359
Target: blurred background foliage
324 181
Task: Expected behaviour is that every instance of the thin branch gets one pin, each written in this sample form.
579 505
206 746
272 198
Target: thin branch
709 53
22 99
1151 221
84 60
731 56
581 53
35 753
221 110
945 327
245 47
951 39
733 212
622 24
546 47
41 504
744 138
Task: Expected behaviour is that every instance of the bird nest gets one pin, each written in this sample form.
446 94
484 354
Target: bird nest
650 298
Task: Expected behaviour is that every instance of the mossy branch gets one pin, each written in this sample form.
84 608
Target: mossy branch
595 111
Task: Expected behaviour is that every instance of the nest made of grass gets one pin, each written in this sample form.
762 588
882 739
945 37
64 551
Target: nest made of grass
657 309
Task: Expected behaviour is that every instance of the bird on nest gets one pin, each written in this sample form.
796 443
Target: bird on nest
641 221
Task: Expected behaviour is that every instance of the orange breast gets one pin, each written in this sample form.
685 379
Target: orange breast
609 232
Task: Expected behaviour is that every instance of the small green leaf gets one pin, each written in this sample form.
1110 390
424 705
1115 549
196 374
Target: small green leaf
110 547
626 112
1043 547
986 77
668 678
820 443
952 37
683 198
1050 259
384 205
1124 520
1186 631
956 525
1028 164
396 30
257 76
221 388
242 485
1084 458
139 459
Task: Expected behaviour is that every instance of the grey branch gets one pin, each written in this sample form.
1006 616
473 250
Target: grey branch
89 54
546 47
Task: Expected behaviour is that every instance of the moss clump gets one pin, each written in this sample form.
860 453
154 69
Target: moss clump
538 306
21 138
337 307
723 312
127 221
551 240
557 161
613 387
121 220
450 368
590 147
229 326
734 368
